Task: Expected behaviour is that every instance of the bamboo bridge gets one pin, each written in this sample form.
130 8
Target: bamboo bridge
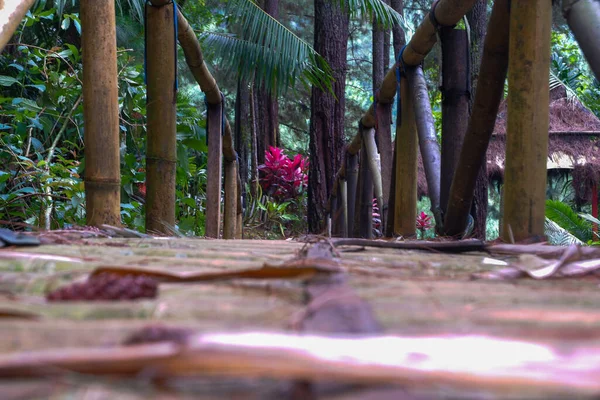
115 314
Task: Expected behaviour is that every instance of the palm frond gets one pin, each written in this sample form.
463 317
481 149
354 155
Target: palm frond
556 82
267 50
378 10
564 216
275 68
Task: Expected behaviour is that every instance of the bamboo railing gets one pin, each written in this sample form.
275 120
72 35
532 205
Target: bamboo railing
220 143
11 15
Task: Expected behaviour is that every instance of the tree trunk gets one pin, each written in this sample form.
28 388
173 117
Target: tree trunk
327 137
455 103
268 105
242 131
477 21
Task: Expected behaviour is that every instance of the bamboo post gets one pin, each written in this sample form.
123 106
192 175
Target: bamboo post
161 154
213 170
343 200
11 14
430 149
220 137
583 17
335 209
352 183
374 164
101 113
527 123
490 89
456 76
239 231
405 191
365 218
386 153
230 207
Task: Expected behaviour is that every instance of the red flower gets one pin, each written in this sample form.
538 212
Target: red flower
281 177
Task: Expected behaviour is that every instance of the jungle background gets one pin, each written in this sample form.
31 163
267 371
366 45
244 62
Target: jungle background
275 105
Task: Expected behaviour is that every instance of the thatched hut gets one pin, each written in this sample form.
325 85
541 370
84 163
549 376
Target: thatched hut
573 145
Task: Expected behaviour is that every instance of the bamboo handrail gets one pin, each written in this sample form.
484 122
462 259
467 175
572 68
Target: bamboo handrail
447 13
11 15
583 17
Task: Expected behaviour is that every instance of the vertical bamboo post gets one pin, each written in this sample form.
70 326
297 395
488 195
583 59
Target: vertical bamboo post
456 76
430 149
213 170
365 225
101 113
352 183
161 154
11 15
374 163
490 88
343 199
230 207
527 123
239 231
407 146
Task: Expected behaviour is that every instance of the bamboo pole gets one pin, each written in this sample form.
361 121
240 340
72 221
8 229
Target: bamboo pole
447 13
527 123
161 154
101 113
456 76
490 88
239 231
365 218
352 183
583 17
374 164
214 162
428 144
219 131
230 207
405 193
343 200
12 13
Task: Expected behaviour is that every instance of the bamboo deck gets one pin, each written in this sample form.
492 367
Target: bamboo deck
410 292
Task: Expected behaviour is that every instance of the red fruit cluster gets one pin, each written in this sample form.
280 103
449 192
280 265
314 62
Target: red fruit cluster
107 287
281 177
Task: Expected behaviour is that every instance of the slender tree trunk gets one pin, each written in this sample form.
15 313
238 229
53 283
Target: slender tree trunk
478 23
268 105
242 131
327 137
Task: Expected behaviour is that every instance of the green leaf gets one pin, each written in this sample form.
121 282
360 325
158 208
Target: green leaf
196 144
564 216
26 104
41 88
65 23
8 80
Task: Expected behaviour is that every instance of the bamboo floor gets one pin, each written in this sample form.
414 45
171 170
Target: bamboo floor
411 293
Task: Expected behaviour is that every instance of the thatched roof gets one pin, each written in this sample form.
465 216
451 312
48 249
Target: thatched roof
574 142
